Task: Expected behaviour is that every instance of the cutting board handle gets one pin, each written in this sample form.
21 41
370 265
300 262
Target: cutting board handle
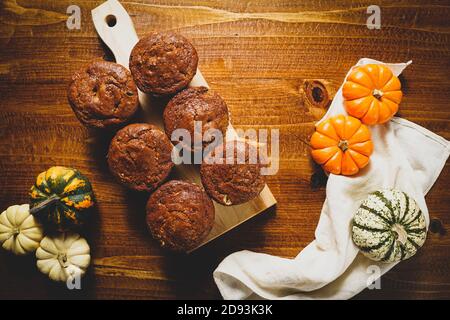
116 29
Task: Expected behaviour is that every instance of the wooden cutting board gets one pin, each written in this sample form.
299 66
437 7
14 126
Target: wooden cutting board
116 29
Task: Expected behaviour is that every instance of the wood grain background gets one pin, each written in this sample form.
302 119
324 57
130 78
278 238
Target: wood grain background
257 55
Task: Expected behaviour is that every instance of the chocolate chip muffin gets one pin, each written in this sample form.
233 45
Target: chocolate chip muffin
140 156
103 95
163 63
196 104
232 176
180 215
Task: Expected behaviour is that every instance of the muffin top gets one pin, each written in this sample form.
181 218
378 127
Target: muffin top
103 95
139 156
196 104
163 63
231 174
180 215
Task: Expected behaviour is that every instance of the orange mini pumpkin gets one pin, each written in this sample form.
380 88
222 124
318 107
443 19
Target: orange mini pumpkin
342 145
372 93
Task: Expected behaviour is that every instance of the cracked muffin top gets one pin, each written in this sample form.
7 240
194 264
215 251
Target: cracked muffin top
103 95
163 63
231 173
196 104
180 215
139 156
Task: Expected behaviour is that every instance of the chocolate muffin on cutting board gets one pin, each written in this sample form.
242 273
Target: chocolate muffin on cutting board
228 181
139 157
180 215
103 95
163 63
196 104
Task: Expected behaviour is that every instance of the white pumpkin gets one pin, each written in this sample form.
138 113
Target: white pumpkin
63 257
20 232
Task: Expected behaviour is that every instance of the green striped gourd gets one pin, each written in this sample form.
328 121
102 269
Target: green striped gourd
389 226
61 198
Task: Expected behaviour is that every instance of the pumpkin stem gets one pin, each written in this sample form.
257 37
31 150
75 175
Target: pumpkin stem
15 231
62 259
43 204
377 93
401 233
343 144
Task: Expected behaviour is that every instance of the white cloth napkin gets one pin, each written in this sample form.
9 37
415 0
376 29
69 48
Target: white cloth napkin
406 156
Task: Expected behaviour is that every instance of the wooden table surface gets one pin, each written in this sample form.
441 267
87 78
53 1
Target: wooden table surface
257 55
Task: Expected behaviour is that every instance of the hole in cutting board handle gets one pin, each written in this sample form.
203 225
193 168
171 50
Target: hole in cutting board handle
111 20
